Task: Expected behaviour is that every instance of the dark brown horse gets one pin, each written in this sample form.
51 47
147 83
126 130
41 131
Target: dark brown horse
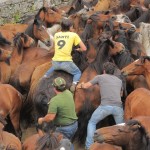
145 17
134 13
130 136
8 141
11 104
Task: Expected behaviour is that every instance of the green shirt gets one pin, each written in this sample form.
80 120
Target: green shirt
63 106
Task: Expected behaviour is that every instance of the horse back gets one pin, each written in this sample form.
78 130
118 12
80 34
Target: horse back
10 98
137 103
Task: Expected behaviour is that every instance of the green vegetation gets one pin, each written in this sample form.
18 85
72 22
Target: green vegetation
16 17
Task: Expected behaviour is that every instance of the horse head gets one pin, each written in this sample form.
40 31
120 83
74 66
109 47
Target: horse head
117 135
138 67
40 32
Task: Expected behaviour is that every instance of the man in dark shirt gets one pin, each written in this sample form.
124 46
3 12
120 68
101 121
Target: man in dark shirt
110 91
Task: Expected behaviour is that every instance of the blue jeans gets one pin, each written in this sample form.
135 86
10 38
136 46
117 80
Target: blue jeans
99 114
68 131
67 66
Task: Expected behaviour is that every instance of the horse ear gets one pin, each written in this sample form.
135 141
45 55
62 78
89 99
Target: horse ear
136 127
44 9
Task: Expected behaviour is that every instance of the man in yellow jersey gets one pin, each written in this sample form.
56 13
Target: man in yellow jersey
62 60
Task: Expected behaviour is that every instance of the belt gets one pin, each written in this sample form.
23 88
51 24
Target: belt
66 124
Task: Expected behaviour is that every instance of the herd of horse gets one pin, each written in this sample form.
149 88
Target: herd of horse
116 31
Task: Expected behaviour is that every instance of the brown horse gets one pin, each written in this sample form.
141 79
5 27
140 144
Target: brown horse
47 15
101 22
10 104
135 102
38 32
139 67
8 68
14 28
130 136
9 35
46 138
8 141
104 146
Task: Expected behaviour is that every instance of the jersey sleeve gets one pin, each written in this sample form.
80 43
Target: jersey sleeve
77 40
52 108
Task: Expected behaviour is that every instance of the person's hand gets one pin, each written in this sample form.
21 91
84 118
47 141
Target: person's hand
40 120
79 85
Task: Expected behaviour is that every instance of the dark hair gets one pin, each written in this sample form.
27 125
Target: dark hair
66 24
60 88
109 67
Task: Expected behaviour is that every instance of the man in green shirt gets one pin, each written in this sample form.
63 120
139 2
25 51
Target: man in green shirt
62 110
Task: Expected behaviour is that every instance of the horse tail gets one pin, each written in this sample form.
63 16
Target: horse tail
83 117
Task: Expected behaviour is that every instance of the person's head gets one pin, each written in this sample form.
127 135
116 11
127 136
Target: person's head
109 67
59 84
66 24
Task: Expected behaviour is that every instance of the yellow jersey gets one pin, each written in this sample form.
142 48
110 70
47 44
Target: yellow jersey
64 41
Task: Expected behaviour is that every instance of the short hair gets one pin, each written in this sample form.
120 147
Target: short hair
60 84
66 24
109 67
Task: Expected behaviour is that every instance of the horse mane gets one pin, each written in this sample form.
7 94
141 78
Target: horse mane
2 120
88 32
143 58
49 140
142 129
41 9
121 37
124 5
79 58
18 42
94 17
29 30
4 41
145 17
134 13
102 55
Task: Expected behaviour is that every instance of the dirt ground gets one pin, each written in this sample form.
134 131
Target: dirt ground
30 131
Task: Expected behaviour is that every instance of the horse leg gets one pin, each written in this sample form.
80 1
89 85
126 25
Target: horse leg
15 119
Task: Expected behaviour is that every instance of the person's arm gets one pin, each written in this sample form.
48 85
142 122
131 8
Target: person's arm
82 46
49 117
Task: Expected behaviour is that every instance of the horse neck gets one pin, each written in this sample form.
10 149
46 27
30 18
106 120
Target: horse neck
102 57
29 31
15 59
136 145
147 77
